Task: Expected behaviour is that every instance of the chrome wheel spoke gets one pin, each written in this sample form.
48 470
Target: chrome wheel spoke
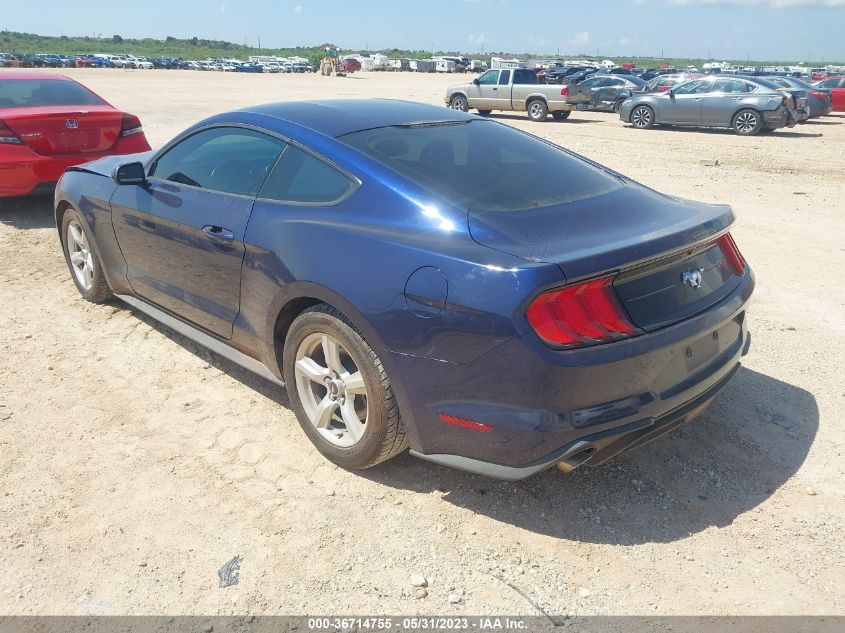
324 412
331 351
77 259
350 418
354 383
312 370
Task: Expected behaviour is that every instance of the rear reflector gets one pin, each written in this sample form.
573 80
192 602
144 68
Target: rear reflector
732 254
7 136
131 125
467 424
583 314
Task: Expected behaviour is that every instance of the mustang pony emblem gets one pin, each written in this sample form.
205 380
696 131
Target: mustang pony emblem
692 278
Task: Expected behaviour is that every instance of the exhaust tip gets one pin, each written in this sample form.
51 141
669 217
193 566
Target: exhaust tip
573 461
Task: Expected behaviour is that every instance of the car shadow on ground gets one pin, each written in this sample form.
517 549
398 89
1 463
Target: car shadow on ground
33 212
782 132
524 117
751 441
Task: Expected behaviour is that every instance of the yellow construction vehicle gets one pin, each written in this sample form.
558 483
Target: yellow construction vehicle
331 62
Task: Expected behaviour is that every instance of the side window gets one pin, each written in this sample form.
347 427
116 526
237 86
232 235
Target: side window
524 77
489 78
301 177
692 87
728 86
505 78
226 159
590 83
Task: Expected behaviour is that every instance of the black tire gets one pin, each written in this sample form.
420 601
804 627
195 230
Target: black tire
642 117
561 115
98 291
384 434
747 122
537 110
484 112
460 103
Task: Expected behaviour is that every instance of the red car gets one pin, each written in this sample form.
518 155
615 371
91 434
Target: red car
49 123
349 65
836 85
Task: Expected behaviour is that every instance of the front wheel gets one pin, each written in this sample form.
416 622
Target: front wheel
84 265
484 112
642 117
459 102
340 392
747 122
537 110
561 115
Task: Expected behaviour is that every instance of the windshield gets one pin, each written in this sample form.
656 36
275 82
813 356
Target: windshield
28 93
483 165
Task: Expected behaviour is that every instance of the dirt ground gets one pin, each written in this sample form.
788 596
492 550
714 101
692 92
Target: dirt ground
135 464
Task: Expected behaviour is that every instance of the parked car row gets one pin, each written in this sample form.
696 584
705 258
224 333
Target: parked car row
746 104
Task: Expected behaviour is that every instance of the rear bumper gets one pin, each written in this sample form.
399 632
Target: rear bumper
24 172
576 406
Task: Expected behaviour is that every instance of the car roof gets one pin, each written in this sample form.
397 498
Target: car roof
15 74
336 117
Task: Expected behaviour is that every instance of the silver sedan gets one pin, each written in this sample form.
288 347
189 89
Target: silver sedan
745 105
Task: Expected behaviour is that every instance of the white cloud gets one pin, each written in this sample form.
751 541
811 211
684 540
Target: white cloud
536 40
478 40
298 8
580 39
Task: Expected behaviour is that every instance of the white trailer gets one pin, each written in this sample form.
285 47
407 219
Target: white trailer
444 65
498 63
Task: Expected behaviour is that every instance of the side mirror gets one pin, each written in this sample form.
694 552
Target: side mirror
130 174
475 81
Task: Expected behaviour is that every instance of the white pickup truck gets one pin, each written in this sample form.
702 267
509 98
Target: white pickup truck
515 89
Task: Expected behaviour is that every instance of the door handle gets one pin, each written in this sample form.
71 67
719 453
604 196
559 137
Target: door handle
218 234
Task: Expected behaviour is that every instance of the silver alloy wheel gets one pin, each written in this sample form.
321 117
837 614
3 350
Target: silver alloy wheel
80 256
641 117
459 103
745 122
332 390
535 110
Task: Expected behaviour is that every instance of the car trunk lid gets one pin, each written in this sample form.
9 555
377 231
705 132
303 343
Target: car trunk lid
671 265
52 131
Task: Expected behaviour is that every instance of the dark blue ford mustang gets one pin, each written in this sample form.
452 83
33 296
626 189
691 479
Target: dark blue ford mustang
421 278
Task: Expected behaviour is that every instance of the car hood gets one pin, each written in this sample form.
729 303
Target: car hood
629 225
106 166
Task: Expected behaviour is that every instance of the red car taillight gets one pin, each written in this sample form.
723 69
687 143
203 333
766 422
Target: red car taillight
7 136
732 254
131 125
564 92
579 315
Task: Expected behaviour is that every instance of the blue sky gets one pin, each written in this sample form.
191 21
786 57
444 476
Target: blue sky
790 30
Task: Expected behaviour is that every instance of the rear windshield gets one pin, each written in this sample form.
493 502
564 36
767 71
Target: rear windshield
484 165
27 93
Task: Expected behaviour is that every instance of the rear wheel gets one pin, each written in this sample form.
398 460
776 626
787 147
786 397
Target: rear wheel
484 112
537 110
642 117
84 265
459 102
340 392
561 115
747 122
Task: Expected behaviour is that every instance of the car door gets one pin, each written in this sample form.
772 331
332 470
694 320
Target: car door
682 104
503 91
181 233
725 98
483 95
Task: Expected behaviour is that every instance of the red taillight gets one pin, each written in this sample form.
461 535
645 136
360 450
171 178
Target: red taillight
7 136
732 254
583 314
564 92
131 125
467 424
